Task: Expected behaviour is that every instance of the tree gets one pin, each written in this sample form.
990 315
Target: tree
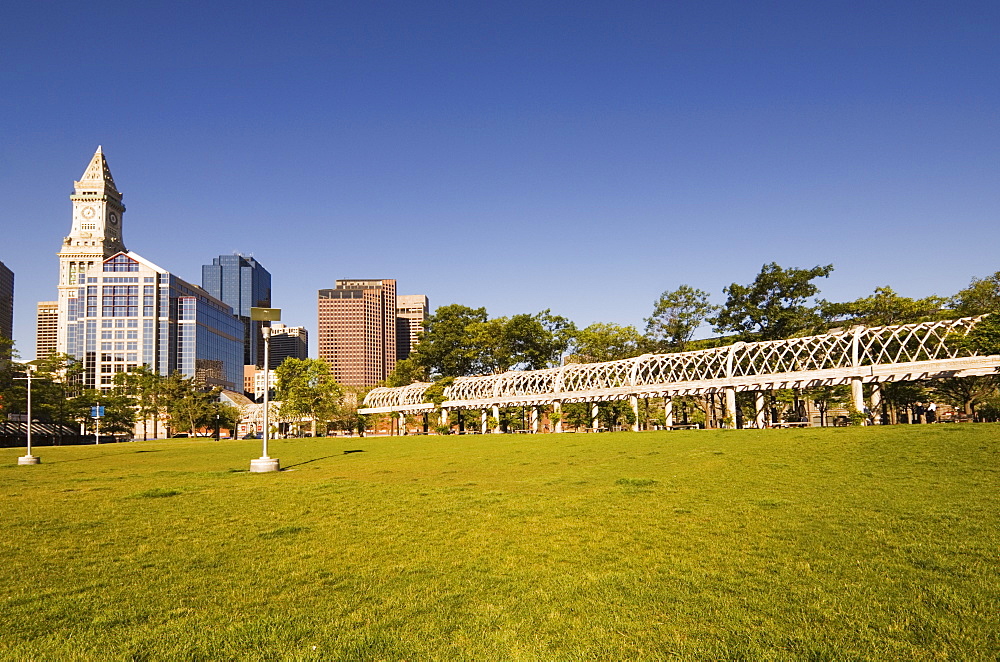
883 308
607 342
188 406
58 396
983 339
965 392
406 372
145 388
981 296
772 307
525 342
901 395
306 388
827 396
676 316
443 349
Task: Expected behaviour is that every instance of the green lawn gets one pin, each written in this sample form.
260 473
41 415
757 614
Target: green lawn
850 543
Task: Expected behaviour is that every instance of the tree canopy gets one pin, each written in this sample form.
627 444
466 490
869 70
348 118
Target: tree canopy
775 305
883 308
676 316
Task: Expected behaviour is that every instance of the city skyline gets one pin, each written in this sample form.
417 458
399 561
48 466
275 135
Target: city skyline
522 159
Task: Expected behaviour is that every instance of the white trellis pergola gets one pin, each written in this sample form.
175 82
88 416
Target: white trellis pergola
854 356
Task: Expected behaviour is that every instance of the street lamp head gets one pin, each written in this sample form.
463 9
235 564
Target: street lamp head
265 314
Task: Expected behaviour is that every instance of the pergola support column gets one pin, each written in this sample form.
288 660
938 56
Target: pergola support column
557 416
444 416
857 394
496 419
730 393
535 416
402 424
593 414
876 407
668 411
760 408
483 416
634 401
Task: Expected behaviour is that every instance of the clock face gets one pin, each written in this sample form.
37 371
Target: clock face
113 218
88 212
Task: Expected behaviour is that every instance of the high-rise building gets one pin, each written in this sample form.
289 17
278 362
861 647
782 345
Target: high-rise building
117 311
411 311
357 330
287 342
243 283
96 234
129 312
6 302
46 329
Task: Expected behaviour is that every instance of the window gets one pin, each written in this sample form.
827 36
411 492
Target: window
121 263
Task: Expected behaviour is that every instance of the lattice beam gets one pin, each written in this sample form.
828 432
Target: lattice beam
873 354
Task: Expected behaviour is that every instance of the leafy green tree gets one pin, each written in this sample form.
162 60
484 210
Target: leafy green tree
827 396
980 297
983 339
607 342
145 388
966 392
306 388
883 308
527 342
676 316
58 396
119 412
902 395
188 406
443 349
774 306
406 372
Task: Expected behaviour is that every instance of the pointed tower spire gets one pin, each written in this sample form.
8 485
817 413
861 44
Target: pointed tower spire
97 177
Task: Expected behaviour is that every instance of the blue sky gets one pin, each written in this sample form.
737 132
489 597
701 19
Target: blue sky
578 156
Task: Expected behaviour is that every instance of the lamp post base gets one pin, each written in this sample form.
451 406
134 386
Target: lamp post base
29 459
264 464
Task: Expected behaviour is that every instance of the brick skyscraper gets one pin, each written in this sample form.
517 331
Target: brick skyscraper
357 330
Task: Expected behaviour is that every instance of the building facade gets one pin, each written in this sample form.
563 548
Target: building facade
96 234
129 312
46 329
411 311
243 283
287 342
6 302
357 330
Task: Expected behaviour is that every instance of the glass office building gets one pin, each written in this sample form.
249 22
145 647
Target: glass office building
243 283
129 312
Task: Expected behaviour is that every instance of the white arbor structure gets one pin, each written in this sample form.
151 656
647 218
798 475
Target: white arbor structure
855 356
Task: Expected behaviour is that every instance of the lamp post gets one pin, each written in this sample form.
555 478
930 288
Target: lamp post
264 463
28 457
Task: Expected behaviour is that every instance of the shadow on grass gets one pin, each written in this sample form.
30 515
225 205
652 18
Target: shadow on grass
315 459
100 457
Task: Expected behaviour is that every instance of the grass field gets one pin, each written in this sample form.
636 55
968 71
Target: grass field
819 544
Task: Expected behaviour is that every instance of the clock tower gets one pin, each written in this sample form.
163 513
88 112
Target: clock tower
96 233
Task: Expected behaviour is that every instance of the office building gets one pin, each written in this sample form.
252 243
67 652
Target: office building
46 329
96 234
117 311
243 283
249 374
411 311
287 342
357 330
129 312
6 302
